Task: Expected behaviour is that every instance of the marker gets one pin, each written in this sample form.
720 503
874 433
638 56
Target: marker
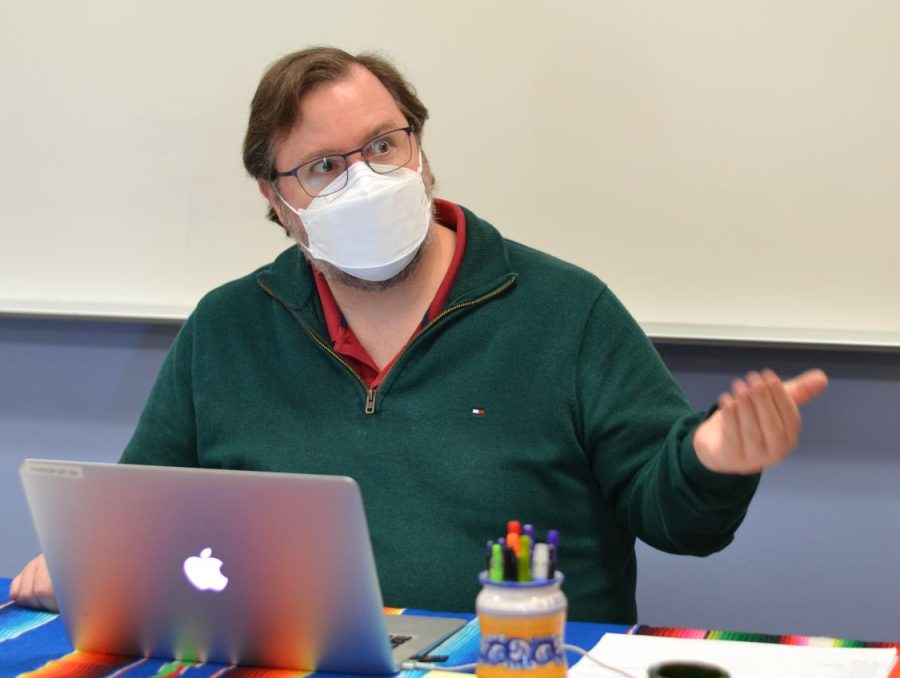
529 530
490 553
512 540
524 573
540 567
496 569
553 543
513 526
510 572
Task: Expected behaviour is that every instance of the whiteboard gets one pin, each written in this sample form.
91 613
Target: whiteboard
731 169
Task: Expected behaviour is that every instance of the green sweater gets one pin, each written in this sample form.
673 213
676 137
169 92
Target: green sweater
583 428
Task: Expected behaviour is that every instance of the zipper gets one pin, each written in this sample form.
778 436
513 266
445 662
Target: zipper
372 392
325 347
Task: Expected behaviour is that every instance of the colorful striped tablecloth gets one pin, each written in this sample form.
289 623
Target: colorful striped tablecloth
34 644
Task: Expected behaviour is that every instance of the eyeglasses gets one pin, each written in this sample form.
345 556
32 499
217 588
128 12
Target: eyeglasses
385 153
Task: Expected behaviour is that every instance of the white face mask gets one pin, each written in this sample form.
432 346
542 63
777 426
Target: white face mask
373 227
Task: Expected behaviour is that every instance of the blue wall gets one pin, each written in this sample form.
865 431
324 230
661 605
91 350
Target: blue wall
817 554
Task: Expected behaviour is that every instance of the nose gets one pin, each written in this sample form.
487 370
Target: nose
355 157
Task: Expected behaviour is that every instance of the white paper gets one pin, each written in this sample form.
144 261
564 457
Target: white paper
635 654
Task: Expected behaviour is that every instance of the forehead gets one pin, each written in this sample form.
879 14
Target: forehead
340 115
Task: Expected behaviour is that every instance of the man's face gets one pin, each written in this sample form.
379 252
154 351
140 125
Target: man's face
335 118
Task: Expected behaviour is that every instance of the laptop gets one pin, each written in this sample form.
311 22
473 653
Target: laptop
239 567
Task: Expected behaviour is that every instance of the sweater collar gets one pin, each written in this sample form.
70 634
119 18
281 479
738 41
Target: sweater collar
485 267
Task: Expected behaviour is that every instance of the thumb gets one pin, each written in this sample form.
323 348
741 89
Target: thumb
806 386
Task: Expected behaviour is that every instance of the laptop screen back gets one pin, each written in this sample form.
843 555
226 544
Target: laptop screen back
242 567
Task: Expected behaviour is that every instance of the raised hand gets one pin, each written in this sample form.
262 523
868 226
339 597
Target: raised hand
757 424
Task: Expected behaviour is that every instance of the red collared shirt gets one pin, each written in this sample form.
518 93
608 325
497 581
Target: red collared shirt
345 343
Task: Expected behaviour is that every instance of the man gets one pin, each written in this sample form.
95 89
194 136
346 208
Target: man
460 378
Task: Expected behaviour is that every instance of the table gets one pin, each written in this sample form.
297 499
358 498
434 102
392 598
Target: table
34 644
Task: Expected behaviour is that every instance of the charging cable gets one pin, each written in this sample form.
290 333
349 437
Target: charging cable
583 653
413 665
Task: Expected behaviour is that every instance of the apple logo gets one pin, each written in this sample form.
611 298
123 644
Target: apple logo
204 572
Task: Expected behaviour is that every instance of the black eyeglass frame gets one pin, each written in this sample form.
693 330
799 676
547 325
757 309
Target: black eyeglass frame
409 129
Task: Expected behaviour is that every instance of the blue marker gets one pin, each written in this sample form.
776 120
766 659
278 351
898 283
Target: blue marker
553 543
528 531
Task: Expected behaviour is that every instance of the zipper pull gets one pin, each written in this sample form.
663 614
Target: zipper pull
370 401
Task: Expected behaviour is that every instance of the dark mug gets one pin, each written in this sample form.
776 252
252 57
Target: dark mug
686 670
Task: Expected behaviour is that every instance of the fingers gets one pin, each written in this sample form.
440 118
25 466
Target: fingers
751 439
764 434
807 386
26 586
776 414
786 408
43 587
732 444
16 591
768 414
32 586
14 586
758 423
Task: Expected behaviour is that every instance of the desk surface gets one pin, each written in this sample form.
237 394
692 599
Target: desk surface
35 644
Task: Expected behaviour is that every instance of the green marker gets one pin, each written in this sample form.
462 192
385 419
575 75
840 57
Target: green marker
496 573
524 558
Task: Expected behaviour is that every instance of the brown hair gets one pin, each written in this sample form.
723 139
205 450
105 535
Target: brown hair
275 105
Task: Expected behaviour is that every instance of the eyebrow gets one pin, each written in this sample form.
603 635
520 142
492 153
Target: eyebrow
373 133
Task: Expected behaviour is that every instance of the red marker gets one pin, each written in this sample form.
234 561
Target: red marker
512 540
514 526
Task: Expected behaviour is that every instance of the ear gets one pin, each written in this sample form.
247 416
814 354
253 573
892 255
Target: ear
267 191
427 176
275 204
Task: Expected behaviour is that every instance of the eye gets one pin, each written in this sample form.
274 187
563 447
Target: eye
322 166
327 166
380 146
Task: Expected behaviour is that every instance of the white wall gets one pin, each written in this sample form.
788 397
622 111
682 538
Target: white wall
730 168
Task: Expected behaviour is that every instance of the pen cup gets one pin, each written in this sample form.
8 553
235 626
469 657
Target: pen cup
522 628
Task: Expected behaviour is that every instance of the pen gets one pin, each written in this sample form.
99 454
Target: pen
528 530
552 543
497 564
524 564
519 557
540 565
510 572
512 540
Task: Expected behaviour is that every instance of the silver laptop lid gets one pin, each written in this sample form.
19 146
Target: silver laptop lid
270 569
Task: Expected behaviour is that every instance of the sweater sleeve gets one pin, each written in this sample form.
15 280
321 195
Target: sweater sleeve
638 434
166 433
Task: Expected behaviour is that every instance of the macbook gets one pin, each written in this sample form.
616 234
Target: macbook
240 567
